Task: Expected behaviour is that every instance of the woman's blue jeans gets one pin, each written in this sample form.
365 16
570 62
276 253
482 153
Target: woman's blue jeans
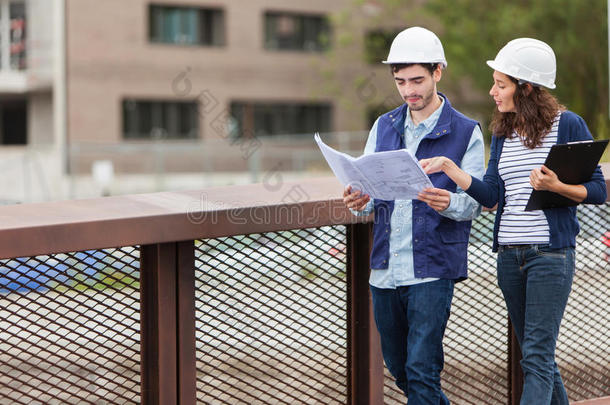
536 281
411 321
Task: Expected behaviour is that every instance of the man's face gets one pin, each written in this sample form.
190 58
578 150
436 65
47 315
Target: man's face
417 86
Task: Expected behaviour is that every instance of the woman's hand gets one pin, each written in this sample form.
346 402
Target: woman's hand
354 200
434 165
437 198
544 179
447 166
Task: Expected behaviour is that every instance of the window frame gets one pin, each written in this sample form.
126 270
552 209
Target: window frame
255 111
165 121
6 33
158 15
303 20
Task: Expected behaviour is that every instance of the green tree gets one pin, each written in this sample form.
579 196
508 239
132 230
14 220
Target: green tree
474 30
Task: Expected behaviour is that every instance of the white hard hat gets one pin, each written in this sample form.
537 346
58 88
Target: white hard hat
527 59
416 45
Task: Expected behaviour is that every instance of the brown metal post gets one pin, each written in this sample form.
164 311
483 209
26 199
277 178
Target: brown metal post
515 373
187 369
365 364
376 367
158 323
167 318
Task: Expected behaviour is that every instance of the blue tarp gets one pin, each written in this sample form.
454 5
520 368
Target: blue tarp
25 274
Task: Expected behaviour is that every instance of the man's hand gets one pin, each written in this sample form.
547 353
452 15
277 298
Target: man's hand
437 198
354 200
544 179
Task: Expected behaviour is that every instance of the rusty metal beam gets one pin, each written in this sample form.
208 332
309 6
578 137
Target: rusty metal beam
36 229
186 359
365 363
167 313
158 322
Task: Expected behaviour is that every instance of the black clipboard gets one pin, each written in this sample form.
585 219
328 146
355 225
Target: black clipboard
574 163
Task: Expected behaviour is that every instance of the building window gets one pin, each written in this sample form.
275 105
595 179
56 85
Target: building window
12 35
186 25
261 119
377 45
295 32
156 120
13 122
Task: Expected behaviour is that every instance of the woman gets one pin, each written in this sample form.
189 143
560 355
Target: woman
535 248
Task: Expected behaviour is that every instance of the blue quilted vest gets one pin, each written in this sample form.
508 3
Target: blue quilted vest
439 243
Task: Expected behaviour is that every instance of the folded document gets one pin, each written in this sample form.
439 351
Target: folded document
392 175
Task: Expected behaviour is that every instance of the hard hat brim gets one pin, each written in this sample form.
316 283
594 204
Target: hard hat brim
387 62
495 66
492 64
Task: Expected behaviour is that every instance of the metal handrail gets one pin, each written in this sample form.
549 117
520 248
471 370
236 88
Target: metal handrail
165 226
64 226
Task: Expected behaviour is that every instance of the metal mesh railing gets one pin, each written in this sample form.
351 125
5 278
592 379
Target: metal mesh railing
476 339
271 318
271 322
69 328
583 349
476 336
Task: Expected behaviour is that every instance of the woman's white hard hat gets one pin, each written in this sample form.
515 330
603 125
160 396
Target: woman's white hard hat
527 59
416 45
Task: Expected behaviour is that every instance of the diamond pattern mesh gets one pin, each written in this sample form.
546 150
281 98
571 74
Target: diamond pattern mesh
271 318
476 337
271 322
583 349
69 328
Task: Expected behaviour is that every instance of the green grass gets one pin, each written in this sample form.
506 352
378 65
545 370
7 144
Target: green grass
110 279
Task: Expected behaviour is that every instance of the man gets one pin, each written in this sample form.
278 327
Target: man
419 246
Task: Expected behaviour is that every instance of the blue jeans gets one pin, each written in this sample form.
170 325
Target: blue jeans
536 281
411 321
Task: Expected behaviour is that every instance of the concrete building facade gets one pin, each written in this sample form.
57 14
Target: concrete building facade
145 95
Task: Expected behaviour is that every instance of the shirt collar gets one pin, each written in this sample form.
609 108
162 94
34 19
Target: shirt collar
429 123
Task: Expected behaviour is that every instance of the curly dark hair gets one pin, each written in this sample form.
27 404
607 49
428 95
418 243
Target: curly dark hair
536 110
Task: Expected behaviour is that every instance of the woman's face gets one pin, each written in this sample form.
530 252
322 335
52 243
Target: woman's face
503 91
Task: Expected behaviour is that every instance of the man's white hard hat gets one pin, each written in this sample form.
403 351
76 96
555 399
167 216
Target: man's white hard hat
416 45
527 59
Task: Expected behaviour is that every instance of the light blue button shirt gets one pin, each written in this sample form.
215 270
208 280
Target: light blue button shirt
400 271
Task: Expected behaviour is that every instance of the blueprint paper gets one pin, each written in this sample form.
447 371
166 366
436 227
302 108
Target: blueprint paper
392 175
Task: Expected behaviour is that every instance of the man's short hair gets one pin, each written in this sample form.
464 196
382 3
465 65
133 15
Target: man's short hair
431 67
